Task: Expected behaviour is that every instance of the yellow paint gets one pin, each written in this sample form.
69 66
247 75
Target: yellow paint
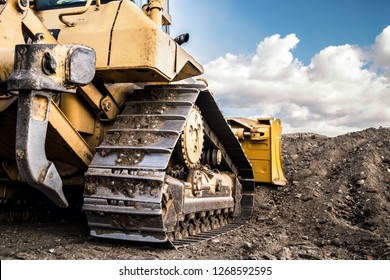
129 45
62 125
80 116
261 140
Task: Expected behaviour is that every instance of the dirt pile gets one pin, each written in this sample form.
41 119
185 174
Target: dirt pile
337 202
335 206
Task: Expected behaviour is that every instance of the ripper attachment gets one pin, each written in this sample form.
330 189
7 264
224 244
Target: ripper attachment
41 71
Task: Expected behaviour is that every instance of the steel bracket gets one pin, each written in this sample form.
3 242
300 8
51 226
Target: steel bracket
41 71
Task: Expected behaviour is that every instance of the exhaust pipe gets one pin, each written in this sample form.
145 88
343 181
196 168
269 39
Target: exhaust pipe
183 38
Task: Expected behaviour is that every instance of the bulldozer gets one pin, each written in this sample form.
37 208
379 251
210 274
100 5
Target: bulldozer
261 139
97 99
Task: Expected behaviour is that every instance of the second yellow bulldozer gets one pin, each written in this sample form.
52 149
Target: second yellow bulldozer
261 140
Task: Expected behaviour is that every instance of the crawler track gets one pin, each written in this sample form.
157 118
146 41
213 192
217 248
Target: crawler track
205 235
135 187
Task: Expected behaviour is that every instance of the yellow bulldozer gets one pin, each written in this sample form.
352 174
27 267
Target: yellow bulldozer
261 140
96 96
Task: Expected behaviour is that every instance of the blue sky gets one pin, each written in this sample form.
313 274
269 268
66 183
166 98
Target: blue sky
220 26
320 66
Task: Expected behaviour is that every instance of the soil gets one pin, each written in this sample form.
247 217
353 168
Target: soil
335 206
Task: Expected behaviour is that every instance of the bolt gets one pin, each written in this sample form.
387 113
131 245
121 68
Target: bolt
106 105
39 38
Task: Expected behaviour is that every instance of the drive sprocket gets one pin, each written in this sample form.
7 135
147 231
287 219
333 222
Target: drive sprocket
191 140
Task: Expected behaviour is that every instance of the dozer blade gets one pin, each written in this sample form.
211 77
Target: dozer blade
261 140
277 174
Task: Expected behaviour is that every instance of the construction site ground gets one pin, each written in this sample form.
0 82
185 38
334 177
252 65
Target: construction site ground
336 205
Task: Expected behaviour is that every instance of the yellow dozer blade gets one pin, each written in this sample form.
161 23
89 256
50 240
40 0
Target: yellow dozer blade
261 140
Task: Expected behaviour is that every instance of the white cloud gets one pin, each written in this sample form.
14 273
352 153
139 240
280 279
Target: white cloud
382 50
344 88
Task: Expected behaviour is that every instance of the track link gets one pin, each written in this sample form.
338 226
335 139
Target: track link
129 194
204 236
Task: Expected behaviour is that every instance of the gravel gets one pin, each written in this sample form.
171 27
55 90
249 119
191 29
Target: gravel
335 206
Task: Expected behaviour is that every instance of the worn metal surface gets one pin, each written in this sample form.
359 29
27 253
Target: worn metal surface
106 107
7 64
40 71
51 67
67 132
191 140
135 50
130 192
31 128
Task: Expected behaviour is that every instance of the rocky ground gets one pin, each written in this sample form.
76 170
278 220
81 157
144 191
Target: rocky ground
336 206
